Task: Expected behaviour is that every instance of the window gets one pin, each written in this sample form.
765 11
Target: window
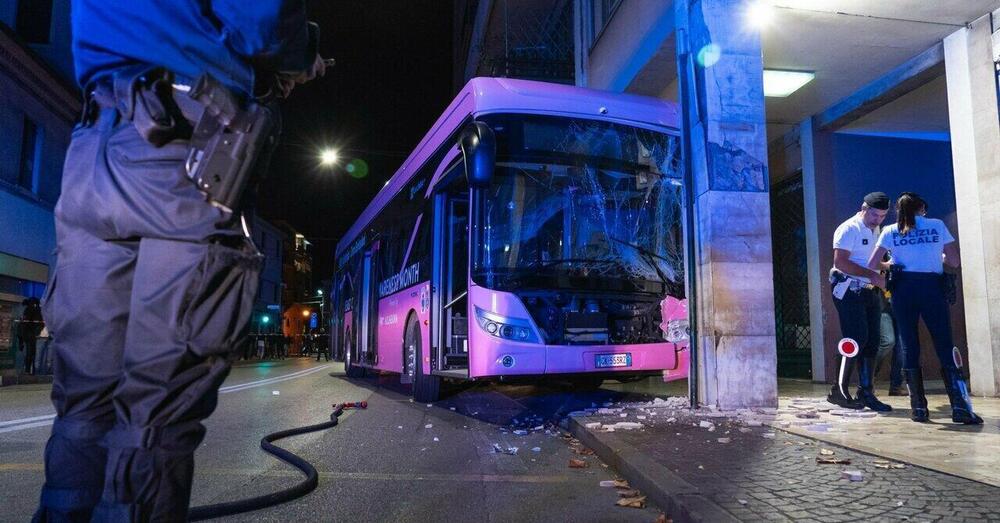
31 143
601 12
34 20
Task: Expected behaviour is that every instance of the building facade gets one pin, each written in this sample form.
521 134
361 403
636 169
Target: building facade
38 107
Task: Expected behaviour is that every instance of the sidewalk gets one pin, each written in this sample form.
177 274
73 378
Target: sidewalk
712 466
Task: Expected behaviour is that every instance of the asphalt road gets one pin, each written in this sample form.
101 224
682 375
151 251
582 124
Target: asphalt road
397 461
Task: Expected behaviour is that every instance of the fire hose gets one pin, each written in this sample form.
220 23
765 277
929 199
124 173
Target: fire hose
296 491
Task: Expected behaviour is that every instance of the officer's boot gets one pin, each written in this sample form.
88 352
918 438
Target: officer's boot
838 393
918 401
958 394
866 386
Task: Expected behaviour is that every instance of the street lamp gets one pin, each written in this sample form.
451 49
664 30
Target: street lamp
305 313
328 157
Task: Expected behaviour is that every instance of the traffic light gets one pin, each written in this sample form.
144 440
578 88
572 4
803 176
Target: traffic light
265 319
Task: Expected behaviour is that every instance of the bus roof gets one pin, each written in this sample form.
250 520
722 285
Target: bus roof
506 95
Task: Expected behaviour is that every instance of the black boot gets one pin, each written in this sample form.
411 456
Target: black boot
838 393
918 400
866 386
958 394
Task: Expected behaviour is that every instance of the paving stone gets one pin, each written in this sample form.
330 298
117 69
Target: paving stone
783 482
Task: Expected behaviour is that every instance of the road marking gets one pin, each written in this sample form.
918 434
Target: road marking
285 377
44 421
26 420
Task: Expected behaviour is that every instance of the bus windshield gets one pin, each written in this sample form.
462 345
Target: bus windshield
581 204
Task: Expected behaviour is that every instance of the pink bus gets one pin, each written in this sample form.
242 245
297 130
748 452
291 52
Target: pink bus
535 231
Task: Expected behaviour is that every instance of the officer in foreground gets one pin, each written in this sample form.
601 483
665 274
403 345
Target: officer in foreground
155 273
856 296
920 248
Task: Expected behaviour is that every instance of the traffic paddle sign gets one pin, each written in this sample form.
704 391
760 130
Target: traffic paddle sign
848 348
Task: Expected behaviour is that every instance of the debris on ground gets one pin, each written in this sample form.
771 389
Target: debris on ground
723 440
629 493
536 449
706 424
428 426
634 502
497 449
615 483
593 425
436 438
853 475
768 435
886 464
826 452
662 518
821 460
741 501
577 464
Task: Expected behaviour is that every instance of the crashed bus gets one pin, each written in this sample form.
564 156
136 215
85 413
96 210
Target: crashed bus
535 232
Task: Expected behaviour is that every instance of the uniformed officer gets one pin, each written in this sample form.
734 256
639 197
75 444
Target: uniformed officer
153 285
920 246
855 290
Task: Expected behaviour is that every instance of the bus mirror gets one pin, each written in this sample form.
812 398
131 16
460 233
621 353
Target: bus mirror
479 150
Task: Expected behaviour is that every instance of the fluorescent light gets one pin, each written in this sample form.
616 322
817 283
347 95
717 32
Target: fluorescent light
780 84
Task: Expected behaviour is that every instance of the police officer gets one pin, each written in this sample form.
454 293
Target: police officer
920 246
153 284
856 291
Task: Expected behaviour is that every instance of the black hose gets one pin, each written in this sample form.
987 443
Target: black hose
296 491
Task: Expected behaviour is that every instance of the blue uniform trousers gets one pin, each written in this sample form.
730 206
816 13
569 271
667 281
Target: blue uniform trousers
151 292
917 295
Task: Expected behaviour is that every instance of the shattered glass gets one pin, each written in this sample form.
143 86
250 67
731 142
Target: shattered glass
606 205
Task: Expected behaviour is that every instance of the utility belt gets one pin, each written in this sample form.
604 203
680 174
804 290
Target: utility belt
226 136
837 277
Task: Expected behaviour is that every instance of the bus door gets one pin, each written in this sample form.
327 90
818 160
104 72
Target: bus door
451 279
366 309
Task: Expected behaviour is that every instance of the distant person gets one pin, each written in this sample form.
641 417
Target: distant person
920 248
856 289
27 332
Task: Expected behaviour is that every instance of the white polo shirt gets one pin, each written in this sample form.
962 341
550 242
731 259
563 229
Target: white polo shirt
920 249
853 236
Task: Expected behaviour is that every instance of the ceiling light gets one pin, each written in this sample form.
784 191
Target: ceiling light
760 13
780 84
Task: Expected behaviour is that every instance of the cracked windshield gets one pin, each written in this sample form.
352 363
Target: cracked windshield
581 203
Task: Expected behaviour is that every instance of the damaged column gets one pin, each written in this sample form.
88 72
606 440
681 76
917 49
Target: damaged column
975 141
721 71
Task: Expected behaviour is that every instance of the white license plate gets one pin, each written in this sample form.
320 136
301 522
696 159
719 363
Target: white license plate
603 361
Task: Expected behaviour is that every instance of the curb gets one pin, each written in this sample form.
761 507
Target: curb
681 500
24 379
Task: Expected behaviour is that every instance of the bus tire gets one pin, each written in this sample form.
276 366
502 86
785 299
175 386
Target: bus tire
426 388
350 369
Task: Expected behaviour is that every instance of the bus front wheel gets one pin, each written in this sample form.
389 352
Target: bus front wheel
426 388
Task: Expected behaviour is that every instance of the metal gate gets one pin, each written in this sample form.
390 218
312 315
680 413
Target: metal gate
791 289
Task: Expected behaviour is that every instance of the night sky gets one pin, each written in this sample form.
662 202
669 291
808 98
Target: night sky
392 79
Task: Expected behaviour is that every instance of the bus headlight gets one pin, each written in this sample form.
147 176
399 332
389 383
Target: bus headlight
517 329
677 331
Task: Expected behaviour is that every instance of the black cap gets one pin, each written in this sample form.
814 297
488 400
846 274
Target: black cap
877 200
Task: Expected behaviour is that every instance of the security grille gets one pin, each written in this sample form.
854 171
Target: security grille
791 289
533 40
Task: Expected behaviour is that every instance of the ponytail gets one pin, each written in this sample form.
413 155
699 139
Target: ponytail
908 206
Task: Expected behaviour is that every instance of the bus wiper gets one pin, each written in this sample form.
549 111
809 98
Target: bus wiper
560 261
648 257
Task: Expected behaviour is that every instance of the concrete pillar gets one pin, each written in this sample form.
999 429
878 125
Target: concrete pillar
975 143
725 126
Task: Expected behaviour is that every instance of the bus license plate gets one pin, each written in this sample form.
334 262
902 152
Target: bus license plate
603 361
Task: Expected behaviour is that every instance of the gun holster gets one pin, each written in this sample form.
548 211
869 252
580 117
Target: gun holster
230 143
144 95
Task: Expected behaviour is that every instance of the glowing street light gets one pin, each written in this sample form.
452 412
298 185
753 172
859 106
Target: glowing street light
319 292
328 157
